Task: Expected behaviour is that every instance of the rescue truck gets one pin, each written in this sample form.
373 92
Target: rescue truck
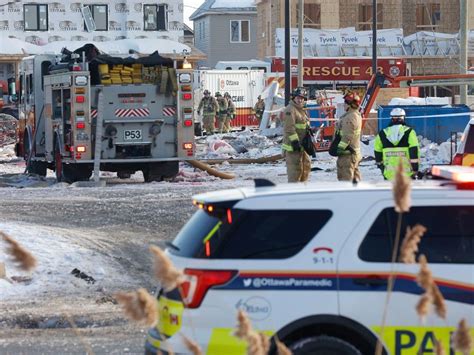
122 114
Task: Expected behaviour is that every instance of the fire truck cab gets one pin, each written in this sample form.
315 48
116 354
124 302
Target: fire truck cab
124 115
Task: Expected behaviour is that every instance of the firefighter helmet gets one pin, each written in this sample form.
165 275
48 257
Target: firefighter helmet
352 99
397 116
301 92
226 94
218 94
206 92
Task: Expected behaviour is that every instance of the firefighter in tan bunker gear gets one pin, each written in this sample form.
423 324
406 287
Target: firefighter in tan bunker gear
349 129
222 111
230 112
209 107
295 122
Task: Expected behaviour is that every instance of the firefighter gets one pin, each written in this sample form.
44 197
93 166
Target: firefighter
209 107
259 108
230 112
295 122
348 130
222 111
397 141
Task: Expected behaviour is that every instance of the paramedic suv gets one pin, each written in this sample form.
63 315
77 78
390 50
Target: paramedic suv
314 270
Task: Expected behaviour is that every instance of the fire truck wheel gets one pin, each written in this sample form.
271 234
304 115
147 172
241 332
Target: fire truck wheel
124 174
159 171
37 167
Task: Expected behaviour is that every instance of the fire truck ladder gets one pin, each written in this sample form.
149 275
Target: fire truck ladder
98 137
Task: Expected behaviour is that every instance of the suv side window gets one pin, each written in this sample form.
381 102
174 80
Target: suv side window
250 234
449 237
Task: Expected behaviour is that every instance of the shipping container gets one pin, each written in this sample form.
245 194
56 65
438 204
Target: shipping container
244 86
434 122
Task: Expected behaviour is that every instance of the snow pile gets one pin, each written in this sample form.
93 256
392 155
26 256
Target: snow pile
420 101
188 175
7 153
233 4
56 257
432 153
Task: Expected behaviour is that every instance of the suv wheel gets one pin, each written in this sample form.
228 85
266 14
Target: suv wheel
323 345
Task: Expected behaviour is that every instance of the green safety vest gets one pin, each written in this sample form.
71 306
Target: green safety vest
389 153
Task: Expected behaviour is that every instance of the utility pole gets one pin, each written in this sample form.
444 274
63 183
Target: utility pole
464 10
300 41
287 52
374 37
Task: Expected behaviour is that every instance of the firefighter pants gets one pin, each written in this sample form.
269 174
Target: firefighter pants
221 119
298 166
348 167
208 123
227 127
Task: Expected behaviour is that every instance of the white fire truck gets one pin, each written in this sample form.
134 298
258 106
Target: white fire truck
124 115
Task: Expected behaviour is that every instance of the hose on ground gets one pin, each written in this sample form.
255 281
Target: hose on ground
211 171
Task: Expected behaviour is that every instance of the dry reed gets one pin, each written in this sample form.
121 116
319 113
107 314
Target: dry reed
192 346
439 302
423 307
401 190
282 348
410 244
265 340
255 345
21 256
425 276
139 306
165 272
462 340
438 347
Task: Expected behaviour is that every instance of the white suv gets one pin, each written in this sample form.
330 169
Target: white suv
311 263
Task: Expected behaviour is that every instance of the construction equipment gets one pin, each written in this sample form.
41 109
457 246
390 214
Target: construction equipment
380 80
124 115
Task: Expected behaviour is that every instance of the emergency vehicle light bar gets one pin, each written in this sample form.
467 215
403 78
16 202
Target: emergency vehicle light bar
457 174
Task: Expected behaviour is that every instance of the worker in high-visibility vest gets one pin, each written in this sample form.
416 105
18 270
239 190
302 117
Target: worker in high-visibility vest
397 141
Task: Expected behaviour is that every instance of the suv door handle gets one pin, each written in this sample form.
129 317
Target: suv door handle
371 280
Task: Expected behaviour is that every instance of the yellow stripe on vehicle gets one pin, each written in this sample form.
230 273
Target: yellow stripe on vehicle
170 316
468 160
405 340
223 341
212 232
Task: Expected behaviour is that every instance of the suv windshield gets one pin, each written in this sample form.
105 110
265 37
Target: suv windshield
249 234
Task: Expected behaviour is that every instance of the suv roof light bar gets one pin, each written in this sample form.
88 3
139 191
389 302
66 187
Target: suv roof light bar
456 174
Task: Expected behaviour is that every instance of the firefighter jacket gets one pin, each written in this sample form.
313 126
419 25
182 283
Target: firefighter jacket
295 122
208 105
349 129
230 108
222 104
394 143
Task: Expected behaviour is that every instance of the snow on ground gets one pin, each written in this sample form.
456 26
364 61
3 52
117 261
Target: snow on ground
56 257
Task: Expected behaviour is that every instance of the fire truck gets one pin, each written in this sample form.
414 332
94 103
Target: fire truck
123 115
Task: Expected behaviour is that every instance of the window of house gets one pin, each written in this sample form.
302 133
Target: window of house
312 15
239 31
101 17
449 237
35 17
155 17
428 16
364 22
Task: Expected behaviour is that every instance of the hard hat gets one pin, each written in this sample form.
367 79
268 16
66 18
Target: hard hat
217 94
352 99
301 92
206 92
398 112
398 116
259 97
226 94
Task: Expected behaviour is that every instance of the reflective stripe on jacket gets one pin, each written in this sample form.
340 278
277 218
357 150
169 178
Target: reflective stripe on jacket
394 143
295 122
349 127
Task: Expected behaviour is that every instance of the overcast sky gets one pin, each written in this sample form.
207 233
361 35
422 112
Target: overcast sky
189 7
